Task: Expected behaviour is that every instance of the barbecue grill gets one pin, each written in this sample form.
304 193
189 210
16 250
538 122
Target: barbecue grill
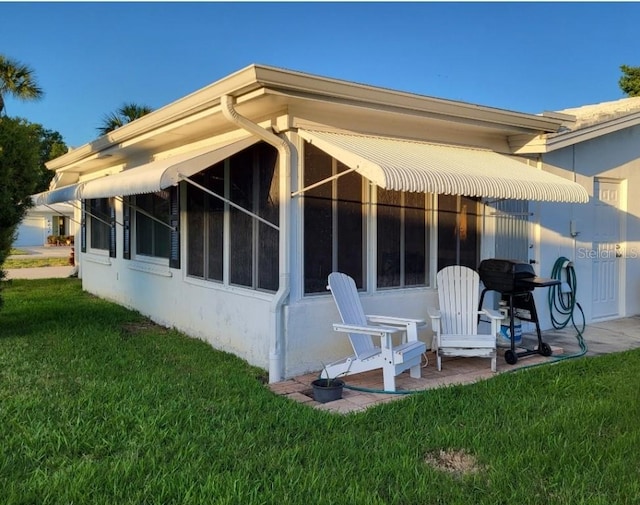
515 281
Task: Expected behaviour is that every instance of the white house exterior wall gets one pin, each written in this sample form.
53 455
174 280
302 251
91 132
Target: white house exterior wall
615 156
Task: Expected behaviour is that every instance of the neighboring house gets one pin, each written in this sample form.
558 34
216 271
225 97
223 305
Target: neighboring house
223 213
600 146
42 222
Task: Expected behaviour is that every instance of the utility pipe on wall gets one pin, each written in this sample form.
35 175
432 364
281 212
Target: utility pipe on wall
276 344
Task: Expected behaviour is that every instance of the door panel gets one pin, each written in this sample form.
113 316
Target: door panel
607 250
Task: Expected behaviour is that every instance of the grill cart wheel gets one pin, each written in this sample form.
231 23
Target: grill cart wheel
545 349
510 357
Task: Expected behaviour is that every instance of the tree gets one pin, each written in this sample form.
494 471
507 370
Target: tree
19 173
630 81
51 145
125 114
17 80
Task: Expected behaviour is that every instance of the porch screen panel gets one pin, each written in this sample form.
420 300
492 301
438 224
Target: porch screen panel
214 210
389 237
415 239
318 220
458 239
350 226
268 206
242 184
468 232
205 225
196 200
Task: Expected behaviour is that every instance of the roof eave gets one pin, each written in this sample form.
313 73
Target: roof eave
554 141
259 76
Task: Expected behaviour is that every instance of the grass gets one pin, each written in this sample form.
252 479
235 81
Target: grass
97 406
31 262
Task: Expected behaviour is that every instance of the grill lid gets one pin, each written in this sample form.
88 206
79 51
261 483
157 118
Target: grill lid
509 276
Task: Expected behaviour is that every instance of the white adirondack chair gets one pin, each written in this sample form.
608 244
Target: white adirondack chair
456 323
361 330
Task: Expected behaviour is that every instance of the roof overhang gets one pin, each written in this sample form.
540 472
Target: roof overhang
404 165
258 90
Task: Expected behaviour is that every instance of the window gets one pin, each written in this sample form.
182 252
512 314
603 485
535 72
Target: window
402 239
151 223
333 222
101 213
250 180
155 220
458 233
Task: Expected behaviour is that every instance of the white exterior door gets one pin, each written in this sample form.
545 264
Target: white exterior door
607 250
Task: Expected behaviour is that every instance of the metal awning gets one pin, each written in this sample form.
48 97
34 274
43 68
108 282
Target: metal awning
161 174
405 165
64 194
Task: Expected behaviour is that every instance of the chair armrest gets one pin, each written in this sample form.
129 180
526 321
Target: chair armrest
434 313
403 321
379 331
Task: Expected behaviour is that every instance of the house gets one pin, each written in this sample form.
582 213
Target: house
223 213
43 223
600 145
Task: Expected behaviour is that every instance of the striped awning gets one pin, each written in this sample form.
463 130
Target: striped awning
150 178
161 174
405 165
64 194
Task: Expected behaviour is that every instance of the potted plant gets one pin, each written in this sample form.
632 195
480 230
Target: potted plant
327 389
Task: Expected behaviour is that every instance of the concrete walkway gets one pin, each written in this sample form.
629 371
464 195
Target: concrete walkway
601 338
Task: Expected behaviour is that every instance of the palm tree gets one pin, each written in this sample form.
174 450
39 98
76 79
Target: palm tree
125 114
18 80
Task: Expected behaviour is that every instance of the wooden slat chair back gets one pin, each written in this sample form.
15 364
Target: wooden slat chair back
361 329
456 323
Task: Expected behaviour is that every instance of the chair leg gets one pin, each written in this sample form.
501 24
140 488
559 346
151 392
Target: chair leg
389 378
415 372
438 361
493 362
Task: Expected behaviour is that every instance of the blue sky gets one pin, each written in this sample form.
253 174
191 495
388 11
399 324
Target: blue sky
529 57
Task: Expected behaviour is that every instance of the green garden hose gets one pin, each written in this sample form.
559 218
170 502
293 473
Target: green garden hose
563 305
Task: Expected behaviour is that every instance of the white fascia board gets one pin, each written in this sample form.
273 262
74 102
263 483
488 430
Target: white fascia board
253 77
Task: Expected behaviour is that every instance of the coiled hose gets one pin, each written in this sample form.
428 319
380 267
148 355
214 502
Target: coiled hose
562 306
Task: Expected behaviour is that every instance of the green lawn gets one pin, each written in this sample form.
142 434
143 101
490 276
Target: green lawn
33 262
99 406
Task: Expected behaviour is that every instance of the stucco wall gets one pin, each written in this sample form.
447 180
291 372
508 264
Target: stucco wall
616 156
311 339
232 320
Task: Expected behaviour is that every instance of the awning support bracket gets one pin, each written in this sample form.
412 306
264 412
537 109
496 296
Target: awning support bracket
226 200
323 181
94 216
60 213
145 213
